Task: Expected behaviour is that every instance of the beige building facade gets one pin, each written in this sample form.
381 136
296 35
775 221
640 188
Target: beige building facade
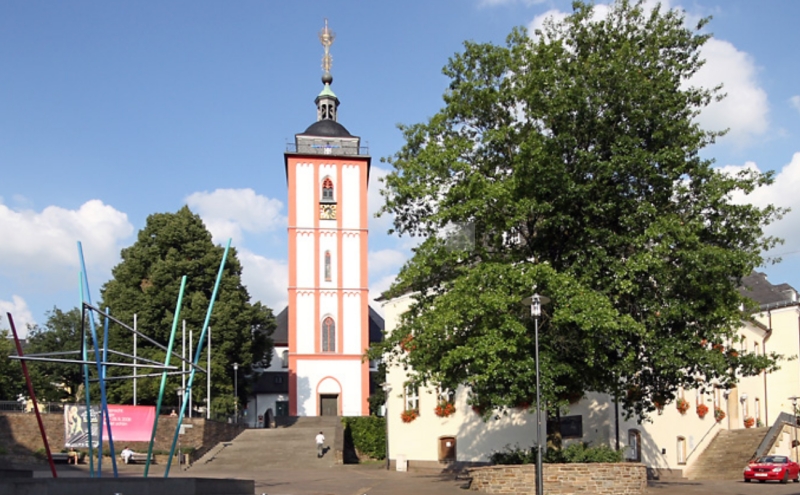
670 440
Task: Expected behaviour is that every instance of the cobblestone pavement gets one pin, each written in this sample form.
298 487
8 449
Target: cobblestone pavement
373 479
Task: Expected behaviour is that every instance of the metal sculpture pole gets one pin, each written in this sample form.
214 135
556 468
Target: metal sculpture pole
197 354
32 395
164 374
84 356
86 296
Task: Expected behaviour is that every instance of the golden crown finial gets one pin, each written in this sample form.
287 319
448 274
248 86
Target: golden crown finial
326 37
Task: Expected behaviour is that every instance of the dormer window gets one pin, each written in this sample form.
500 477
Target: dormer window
327 190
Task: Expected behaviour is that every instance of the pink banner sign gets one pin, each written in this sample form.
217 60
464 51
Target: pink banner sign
128 424
131 423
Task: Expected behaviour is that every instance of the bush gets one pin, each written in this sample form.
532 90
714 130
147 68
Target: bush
573 453
368 435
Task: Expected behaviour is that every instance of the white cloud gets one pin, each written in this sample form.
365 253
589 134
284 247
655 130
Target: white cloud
385 260
375 201
266 279
745 109
783 192
21 314
43 244
795 101
228 213
378 287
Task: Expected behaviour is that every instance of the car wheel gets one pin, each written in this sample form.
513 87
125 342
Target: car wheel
762 481
747 480
785 477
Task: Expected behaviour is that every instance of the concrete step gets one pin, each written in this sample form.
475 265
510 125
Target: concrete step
292 446
727 454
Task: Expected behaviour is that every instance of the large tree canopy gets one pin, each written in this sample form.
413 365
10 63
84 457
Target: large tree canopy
56 382
146 283
570 161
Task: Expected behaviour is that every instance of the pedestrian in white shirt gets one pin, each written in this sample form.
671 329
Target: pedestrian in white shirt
320 441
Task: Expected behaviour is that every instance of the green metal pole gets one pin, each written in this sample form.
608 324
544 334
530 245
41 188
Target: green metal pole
175 321
197 356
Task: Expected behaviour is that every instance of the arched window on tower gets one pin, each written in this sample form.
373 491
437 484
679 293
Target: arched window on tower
327 190
328 335
327 266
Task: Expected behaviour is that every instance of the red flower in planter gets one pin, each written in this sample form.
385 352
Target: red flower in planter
702 410
682 405
749 422
719 414
444 409
409 415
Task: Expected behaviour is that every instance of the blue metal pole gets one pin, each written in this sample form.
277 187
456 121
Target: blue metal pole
103 398
197 356
175 321
84 355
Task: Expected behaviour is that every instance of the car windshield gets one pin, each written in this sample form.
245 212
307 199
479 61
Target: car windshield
774 459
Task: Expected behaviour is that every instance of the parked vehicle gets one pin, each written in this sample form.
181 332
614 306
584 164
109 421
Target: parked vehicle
772 468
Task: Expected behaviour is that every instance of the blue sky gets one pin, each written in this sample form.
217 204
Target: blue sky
111 111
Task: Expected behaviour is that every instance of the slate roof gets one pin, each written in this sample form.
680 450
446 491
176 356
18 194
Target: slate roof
280 336
759 289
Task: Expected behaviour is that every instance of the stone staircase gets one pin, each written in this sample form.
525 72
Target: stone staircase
728 453
290 445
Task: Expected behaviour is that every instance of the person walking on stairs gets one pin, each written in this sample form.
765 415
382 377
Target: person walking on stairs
320 441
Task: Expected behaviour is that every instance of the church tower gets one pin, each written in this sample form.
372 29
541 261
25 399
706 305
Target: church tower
327 173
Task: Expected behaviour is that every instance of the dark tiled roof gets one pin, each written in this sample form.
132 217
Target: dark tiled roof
280 337
326 128
759 289
272 382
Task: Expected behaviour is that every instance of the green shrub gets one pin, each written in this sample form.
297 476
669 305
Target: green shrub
573 453
368 435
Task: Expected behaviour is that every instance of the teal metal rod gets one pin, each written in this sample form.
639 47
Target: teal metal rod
175 321
197 356
86 378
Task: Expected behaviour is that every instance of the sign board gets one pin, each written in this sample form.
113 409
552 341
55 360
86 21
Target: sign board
128 424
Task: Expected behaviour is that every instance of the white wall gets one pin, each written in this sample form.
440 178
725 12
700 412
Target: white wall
310 373
304 174
306 323
351 197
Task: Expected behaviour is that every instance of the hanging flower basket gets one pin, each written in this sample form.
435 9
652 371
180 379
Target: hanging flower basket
682 405
702 410
718 347
733 353
719 414
409 415
749 422
444 409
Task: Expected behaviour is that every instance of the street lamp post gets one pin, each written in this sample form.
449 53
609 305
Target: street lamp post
387 389
794 411
535 302
236 390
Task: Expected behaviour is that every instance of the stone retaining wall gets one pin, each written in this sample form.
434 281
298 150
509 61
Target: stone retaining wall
19 434
599 478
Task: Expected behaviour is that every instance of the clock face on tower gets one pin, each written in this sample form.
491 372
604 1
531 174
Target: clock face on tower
327 212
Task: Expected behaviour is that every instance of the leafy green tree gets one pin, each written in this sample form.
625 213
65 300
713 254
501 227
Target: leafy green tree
146 283
11 381
572 161
55 382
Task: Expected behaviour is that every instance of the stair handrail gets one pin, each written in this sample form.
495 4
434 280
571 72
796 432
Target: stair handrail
698 444
772 435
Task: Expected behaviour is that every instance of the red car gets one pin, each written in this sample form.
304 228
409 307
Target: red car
774 468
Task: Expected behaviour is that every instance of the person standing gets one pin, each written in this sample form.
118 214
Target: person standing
320 441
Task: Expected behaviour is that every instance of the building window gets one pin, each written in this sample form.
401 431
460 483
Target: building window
681 450
634 446
411 398
566 426
758 409
327 190
285 359
328 335
744 343
327 266
277 379
755 348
